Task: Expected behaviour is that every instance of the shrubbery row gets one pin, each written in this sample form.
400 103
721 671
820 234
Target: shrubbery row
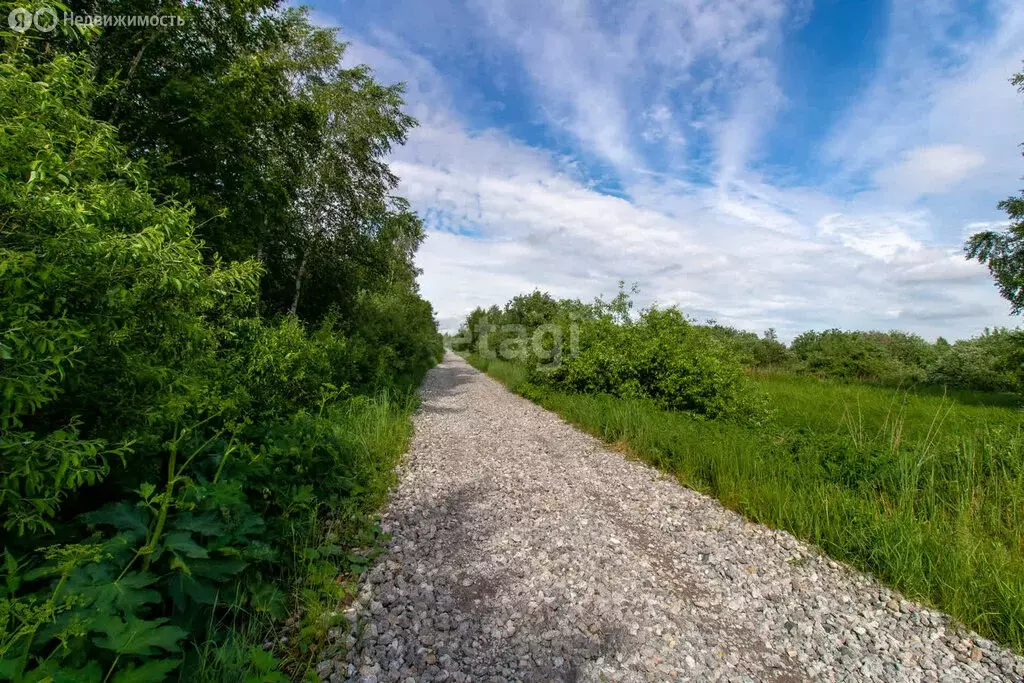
605 347
989 362
179 432
660 354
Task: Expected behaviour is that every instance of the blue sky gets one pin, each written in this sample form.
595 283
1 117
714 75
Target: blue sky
777 164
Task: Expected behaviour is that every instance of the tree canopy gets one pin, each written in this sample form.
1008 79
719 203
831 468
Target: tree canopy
209 325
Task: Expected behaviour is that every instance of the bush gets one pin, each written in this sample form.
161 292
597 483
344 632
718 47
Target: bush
887 358
662 357
989 362
754 352
599 348
163 447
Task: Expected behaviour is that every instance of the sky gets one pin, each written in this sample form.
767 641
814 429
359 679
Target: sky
795 165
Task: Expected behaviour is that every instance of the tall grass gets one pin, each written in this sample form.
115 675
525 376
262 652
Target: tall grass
368 436
925 491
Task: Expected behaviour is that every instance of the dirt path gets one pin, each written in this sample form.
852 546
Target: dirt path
523 549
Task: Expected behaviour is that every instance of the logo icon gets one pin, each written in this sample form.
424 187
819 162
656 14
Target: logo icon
20 19
46 19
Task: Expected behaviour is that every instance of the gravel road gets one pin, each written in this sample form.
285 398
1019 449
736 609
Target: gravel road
523 549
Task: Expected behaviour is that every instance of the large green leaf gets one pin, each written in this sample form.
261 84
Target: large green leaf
181 543
136 636
207 524
123 517
106 592
127 593
52 672
153 671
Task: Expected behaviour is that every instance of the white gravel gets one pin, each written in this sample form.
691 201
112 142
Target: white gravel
523 549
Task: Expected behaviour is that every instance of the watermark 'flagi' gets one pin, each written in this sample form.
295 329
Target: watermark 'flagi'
46 19
546 345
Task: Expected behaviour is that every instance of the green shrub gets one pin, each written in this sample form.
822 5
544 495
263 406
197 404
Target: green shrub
754 352
600 348
887 358
662 357
166 454
989 362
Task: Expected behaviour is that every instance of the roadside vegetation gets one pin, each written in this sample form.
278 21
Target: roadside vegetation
867 444
210 331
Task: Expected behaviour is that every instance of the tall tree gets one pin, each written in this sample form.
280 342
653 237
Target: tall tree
246 111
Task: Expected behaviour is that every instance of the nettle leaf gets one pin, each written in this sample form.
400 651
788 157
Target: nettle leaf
181 543
12 579
153 671
207 524
137 636
127 593
267 677
123 517
53 671
268 598
263 662
146 490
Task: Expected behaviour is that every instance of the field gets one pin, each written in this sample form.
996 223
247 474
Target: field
925 490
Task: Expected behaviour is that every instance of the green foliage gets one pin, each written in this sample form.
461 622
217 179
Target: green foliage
605 348
989 362
765 352
245 111
887 358
662 357
171 458
395 340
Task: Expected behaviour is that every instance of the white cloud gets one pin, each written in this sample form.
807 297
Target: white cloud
755 259
883 238
609 83
505 217
927 170
938 115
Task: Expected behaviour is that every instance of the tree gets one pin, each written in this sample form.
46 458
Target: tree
246 112
166 449
1003 252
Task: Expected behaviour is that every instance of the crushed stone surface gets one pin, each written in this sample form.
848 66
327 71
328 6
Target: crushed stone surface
525 550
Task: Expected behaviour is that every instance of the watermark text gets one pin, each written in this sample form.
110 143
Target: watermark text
46 19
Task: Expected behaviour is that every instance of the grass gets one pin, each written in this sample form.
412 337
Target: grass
924 490
322 573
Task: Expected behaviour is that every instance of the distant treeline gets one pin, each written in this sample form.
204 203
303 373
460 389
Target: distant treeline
527 327
988 362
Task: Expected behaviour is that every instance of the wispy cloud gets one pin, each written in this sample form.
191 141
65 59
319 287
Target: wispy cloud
610 77
678 99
